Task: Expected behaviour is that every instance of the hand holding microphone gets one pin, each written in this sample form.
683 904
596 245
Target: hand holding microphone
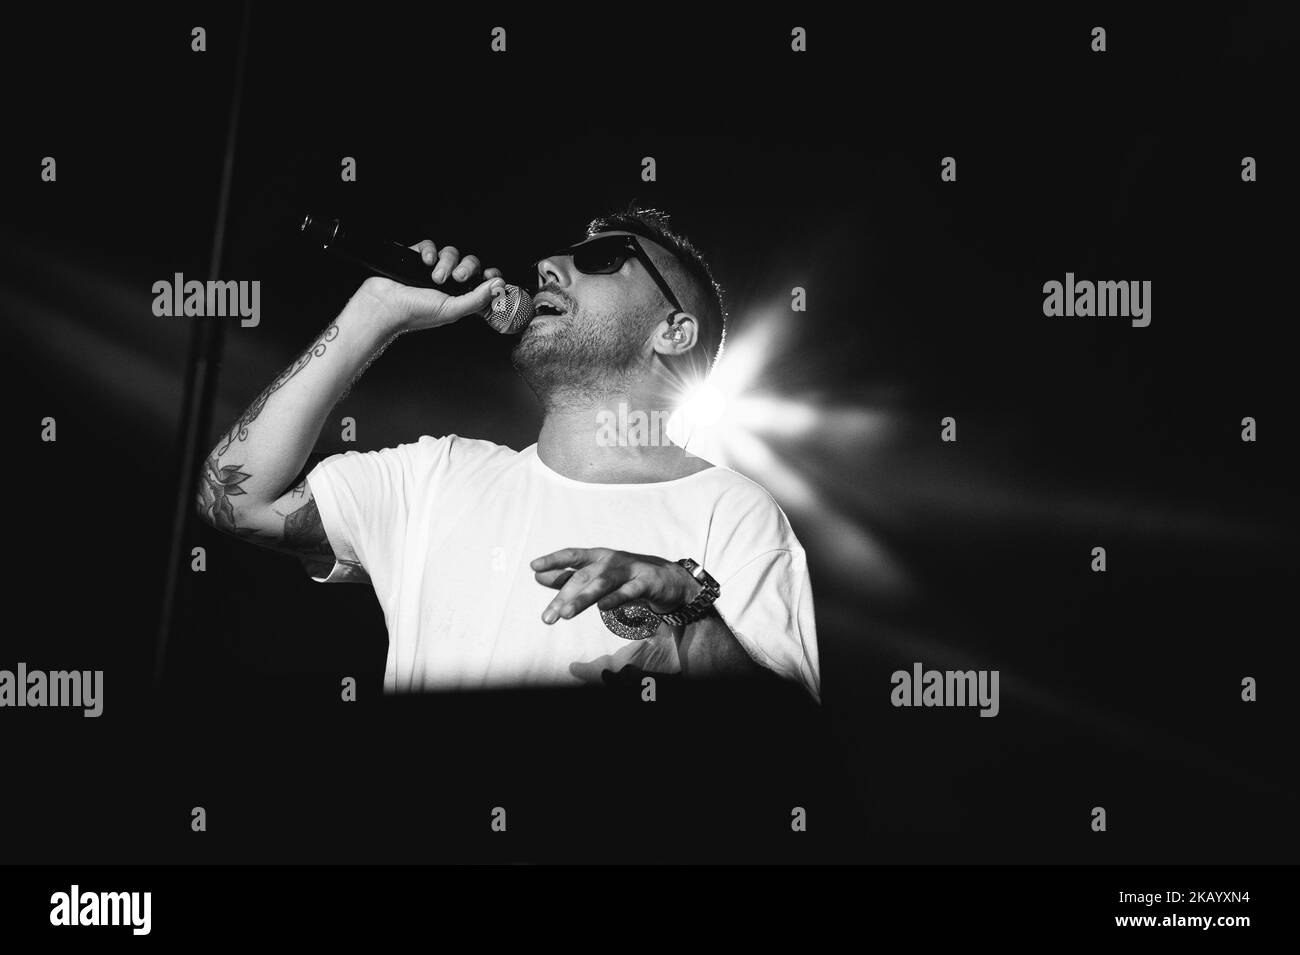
427 285
469 290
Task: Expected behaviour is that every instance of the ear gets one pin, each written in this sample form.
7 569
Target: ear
676 335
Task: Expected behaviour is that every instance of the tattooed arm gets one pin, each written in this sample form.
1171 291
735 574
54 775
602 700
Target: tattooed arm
244 485
290 524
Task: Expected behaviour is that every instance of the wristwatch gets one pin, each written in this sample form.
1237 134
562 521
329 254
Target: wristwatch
635 621
699 607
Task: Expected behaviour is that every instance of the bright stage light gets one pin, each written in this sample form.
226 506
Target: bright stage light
706 414
741 419
704 406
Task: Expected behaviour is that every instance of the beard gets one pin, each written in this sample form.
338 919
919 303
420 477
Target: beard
578 357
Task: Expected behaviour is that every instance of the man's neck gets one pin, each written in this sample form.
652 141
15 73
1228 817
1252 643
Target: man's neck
575 441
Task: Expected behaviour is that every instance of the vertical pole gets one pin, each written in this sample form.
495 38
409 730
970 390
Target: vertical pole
201 378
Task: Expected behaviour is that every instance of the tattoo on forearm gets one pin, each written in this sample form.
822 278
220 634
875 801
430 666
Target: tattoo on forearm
240 429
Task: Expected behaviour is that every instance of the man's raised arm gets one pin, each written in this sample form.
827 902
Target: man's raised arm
243 488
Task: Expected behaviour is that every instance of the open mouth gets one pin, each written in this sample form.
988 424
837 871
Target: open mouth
545 308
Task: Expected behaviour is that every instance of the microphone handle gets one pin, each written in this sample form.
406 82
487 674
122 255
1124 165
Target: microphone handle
387 258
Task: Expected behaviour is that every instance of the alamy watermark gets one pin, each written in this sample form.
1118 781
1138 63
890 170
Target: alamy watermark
75 907
1084 299
178 297
923 687
74 688
625 427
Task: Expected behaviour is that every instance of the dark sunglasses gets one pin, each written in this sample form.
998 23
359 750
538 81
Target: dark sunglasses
606 254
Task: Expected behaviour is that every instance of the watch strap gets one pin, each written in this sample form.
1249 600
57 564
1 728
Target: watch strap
699 607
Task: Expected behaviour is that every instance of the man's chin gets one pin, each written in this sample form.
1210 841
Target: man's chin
534 348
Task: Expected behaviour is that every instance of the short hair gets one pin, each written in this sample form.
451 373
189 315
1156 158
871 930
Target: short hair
712 324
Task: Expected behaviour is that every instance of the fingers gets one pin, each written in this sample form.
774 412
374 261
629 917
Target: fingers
555 579
475 301
448 256
583 589
634 589
447 262
568 557
469 266
581 574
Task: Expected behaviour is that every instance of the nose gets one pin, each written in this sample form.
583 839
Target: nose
552 270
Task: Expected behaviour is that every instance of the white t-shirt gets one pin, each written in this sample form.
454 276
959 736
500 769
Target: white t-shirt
445 528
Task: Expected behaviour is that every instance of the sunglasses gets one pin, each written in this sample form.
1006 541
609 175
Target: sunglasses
606 254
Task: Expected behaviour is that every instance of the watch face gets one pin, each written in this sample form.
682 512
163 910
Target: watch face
698 572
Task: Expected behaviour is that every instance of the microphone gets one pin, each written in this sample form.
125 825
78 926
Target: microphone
508 313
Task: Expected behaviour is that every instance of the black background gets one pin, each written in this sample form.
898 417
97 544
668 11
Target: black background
820 169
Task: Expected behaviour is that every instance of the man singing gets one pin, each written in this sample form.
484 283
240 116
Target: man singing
561 562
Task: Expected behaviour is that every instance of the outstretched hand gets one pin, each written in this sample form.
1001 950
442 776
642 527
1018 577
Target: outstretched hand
610 578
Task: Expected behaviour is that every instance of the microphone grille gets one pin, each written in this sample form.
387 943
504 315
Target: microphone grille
511 311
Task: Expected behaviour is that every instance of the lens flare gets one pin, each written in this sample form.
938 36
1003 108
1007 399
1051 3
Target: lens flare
739 418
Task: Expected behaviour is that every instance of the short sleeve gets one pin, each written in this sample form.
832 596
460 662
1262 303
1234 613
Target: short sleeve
768 605
368 499
766 598
362 497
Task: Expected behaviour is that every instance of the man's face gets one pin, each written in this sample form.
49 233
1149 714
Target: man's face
603 330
